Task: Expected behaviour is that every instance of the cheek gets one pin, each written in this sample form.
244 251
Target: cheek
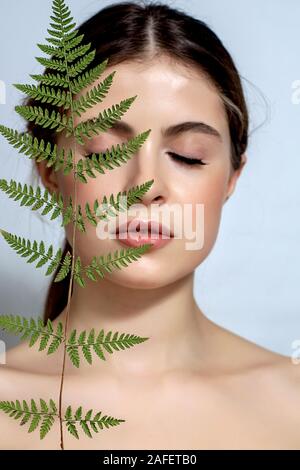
210 195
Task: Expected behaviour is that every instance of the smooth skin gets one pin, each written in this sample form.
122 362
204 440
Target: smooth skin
193 384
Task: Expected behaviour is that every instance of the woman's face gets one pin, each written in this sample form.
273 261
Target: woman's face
167 94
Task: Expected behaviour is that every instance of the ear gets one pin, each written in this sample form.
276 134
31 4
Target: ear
48 176
235 176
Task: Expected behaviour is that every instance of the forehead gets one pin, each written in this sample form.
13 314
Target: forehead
167 93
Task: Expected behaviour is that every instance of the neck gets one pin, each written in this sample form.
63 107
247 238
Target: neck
168 316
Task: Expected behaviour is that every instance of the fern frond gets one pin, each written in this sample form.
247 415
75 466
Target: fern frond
68 60
54 64
71 43
33 330
88 342
65 268
114 206
42 415
124 200
39 150
81 64
62 22
78 272
113 157
41 116
105 263
60 53
102 264
88 422
103 121
61 66
54 203
34 198
88 77
52 51
46 94
25 248
77 52
52 79
108 160
94 96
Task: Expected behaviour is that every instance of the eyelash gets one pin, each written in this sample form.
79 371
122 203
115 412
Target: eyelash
179 158
186 161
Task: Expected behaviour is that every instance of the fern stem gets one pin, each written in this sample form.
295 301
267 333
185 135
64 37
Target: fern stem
72 265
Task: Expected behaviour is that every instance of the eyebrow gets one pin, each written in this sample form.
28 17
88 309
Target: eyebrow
172 131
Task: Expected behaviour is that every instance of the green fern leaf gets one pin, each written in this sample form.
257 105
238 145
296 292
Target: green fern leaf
94 96
46 94
59 65
32 198
52 79
78 273
86 342
48 421
42 117
45 414
34 330
26 249
88 77
52 51
34 423
68 413
113 157
81 64
89 422
123 201
86 428
78 413
115 206
123 258
73 355
72 429
68 213
86 349
71 43
103 121
36 414
54 263
65 268
44 341
78 52
68 59
39 150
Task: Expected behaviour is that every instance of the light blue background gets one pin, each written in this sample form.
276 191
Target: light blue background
250 281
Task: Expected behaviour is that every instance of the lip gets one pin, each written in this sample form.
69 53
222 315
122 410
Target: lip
144 225
137 232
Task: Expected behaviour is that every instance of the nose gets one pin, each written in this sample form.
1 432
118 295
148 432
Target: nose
146 165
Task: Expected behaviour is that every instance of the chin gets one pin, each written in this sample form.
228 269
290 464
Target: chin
140 281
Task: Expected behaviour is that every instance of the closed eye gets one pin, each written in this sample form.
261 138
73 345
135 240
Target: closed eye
179 158
186 160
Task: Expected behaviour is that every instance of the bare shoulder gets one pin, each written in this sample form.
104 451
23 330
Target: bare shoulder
24 359
22 377
26 373
24 369
244 357
287 372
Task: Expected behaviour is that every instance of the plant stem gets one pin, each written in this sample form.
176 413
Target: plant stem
72 268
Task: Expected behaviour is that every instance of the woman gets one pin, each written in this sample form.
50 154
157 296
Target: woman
193 384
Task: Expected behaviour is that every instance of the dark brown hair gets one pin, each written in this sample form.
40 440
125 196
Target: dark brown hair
140 31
